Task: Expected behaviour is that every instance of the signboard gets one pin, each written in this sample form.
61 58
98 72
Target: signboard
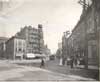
30 55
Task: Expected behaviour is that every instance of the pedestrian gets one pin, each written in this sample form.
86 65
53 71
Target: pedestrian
71 61
75 61
42 63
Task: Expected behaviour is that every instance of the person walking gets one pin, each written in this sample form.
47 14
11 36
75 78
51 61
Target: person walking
71 61
75 61
42 63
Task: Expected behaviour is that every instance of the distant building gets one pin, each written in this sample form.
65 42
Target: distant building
60 45
59 51
33 37
15 48
2 46
47 50
28 40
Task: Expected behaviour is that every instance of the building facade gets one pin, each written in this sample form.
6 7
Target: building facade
33 37
15 48
85 36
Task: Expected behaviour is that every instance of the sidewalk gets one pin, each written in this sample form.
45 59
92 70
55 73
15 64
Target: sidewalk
92 72
89 67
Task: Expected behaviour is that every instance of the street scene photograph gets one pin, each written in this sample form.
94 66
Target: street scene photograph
49 40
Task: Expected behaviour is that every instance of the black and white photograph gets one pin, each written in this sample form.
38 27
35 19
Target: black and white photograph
49 40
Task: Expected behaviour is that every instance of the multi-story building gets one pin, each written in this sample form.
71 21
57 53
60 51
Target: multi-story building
15 48
85 35
33 37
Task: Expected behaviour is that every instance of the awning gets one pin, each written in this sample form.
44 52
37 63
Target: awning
30 55
40 55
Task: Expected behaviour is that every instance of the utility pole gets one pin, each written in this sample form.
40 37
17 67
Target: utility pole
83 3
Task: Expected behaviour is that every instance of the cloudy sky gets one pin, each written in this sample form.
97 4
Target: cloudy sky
56 16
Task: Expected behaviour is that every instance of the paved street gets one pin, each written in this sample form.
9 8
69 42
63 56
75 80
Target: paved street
13 72
53 65
92 72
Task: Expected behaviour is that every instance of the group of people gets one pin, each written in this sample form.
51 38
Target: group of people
74 61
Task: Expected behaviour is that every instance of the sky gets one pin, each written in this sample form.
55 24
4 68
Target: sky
56 16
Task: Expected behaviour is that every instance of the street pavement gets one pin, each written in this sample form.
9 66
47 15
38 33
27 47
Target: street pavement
13 72
54 66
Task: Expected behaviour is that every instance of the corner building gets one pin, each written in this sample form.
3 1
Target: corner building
15 48
33 37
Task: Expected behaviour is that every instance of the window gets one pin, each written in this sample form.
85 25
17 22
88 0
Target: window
19 43
19 49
